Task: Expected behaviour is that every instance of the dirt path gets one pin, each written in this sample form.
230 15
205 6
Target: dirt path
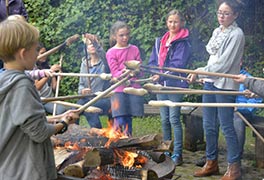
185 172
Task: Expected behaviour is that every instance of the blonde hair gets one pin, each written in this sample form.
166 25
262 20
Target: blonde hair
175 12
15 35
113 31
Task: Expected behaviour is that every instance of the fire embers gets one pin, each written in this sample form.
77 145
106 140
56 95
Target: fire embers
129 159
85 153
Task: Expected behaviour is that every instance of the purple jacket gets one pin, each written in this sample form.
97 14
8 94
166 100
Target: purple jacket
15 7
177 57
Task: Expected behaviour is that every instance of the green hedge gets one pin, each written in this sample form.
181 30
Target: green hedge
59 19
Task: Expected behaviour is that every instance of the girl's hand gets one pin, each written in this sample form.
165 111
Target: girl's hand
250 94
48 73
155 78
71 116
86 91
240 78
55 68
191 78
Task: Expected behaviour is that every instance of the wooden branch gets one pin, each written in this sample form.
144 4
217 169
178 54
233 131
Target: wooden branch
252 127
189 104
232 76
198 92
62 98
103 76
167 75
68 42
90 109
142 80
107 91
57 87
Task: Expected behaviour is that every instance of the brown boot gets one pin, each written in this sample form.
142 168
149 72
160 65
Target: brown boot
233 172
210 168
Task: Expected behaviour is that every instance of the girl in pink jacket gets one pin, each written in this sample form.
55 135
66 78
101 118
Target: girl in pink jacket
123 105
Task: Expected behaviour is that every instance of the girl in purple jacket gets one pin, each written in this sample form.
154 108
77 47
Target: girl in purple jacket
172 50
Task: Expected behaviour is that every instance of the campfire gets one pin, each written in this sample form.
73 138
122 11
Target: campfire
108 154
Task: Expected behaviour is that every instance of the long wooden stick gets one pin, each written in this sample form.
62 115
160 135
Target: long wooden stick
57 87
189 104
102 76
166 75
197 92
196 72
249 125
7 8
126 76
63 98
68 42
90 109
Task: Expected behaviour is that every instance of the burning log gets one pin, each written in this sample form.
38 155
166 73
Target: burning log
82 136
158 157
125 156
75 170
99 157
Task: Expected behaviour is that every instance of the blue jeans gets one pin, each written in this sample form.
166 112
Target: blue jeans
124 123
50 106
212 117
93 118
240 128
170 118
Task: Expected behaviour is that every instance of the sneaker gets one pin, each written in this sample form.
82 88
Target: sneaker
177 159
167 153
201 162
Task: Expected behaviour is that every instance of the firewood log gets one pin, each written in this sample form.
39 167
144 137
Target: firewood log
99 157
158 157
74 170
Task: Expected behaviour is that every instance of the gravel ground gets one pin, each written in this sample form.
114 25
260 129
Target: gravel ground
186 170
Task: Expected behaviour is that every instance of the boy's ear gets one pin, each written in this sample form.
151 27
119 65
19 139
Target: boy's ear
21 53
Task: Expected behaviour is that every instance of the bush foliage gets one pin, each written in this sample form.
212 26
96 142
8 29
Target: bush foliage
59 19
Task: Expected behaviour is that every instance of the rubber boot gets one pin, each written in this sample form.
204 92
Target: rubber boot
233 172
210 168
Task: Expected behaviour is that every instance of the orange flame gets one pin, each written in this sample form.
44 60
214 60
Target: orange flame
113 133
70 145
127 159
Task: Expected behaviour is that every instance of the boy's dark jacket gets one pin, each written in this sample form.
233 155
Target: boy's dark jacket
26 151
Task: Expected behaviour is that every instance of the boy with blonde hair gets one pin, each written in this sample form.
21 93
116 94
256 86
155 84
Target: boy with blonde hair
26 151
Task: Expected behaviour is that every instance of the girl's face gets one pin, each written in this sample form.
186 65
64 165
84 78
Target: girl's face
225 15
41 51
90 47
174 24
122 37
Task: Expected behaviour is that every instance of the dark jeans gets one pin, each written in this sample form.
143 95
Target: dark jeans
225 115
93 118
